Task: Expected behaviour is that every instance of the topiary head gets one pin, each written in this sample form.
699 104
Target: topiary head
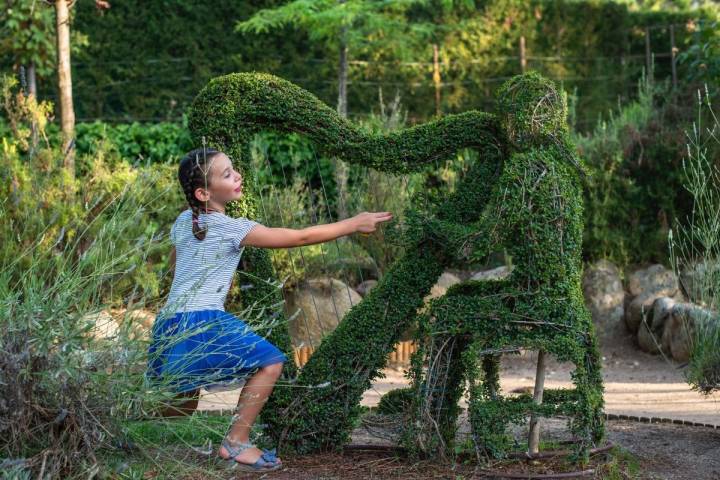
532 110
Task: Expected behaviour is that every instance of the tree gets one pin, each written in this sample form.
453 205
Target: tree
67 113
348 26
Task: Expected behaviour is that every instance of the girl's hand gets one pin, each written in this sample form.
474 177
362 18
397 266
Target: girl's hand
366 222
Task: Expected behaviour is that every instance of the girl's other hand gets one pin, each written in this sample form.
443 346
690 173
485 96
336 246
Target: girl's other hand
366 222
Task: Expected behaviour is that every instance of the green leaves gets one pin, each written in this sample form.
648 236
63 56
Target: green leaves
358 23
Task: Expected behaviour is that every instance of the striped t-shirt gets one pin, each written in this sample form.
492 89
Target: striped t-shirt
204 268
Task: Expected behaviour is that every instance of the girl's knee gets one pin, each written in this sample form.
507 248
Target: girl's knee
274 369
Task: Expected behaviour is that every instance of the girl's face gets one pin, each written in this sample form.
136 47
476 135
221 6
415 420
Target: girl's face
225 183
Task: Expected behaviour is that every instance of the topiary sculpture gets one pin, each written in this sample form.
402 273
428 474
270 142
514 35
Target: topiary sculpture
523 195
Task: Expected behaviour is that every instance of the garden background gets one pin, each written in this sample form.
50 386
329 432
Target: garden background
86 211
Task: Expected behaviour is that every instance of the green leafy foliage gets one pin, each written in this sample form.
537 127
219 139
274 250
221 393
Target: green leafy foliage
635 182
173 56
27 34
74 210
143 143
703 56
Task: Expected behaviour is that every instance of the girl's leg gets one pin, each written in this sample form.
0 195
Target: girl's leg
186 407
252 398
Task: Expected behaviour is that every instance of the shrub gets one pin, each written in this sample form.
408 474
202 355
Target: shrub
396 401
634 189
139 143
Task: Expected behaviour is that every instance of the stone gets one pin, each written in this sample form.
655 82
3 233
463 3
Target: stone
445 281
604 297
699 280
140 321
104 326
653 278
365 287
651 331
678 334
137 316
146 318
644 286
498 273
316 308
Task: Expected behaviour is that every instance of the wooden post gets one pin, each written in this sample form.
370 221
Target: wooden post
523 59
648 59
534 433
31 80
305 355
673 56
342 171
623 69
436 78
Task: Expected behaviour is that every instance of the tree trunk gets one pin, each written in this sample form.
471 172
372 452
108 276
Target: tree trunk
67 114
341 168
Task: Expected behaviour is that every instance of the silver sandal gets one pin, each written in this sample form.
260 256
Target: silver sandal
267 462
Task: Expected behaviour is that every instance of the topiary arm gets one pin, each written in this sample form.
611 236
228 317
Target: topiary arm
232 108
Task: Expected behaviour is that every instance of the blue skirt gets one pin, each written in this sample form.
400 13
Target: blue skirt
206 348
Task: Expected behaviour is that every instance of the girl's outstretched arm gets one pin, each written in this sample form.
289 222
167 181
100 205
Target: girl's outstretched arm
267 237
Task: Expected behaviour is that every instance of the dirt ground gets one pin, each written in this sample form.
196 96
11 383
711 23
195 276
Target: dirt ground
636 384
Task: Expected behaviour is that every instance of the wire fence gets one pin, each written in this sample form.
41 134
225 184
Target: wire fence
447 84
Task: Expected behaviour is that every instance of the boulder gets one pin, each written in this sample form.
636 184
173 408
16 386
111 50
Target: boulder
498 273
654 278
678 334
139 320
104 326
365 287
651 331
143 317
316 308
604 297
445 281
644 286
699 280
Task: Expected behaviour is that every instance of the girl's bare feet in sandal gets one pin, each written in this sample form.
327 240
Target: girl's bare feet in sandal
247 457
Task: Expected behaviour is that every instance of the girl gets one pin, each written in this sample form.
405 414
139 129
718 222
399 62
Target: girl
195 343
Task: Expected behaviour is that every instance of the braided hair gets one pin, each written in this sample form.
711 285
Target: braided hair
193 173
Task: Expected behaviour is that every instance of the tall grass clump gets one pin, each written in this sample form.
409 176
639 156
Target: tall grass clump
695 246
73 249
